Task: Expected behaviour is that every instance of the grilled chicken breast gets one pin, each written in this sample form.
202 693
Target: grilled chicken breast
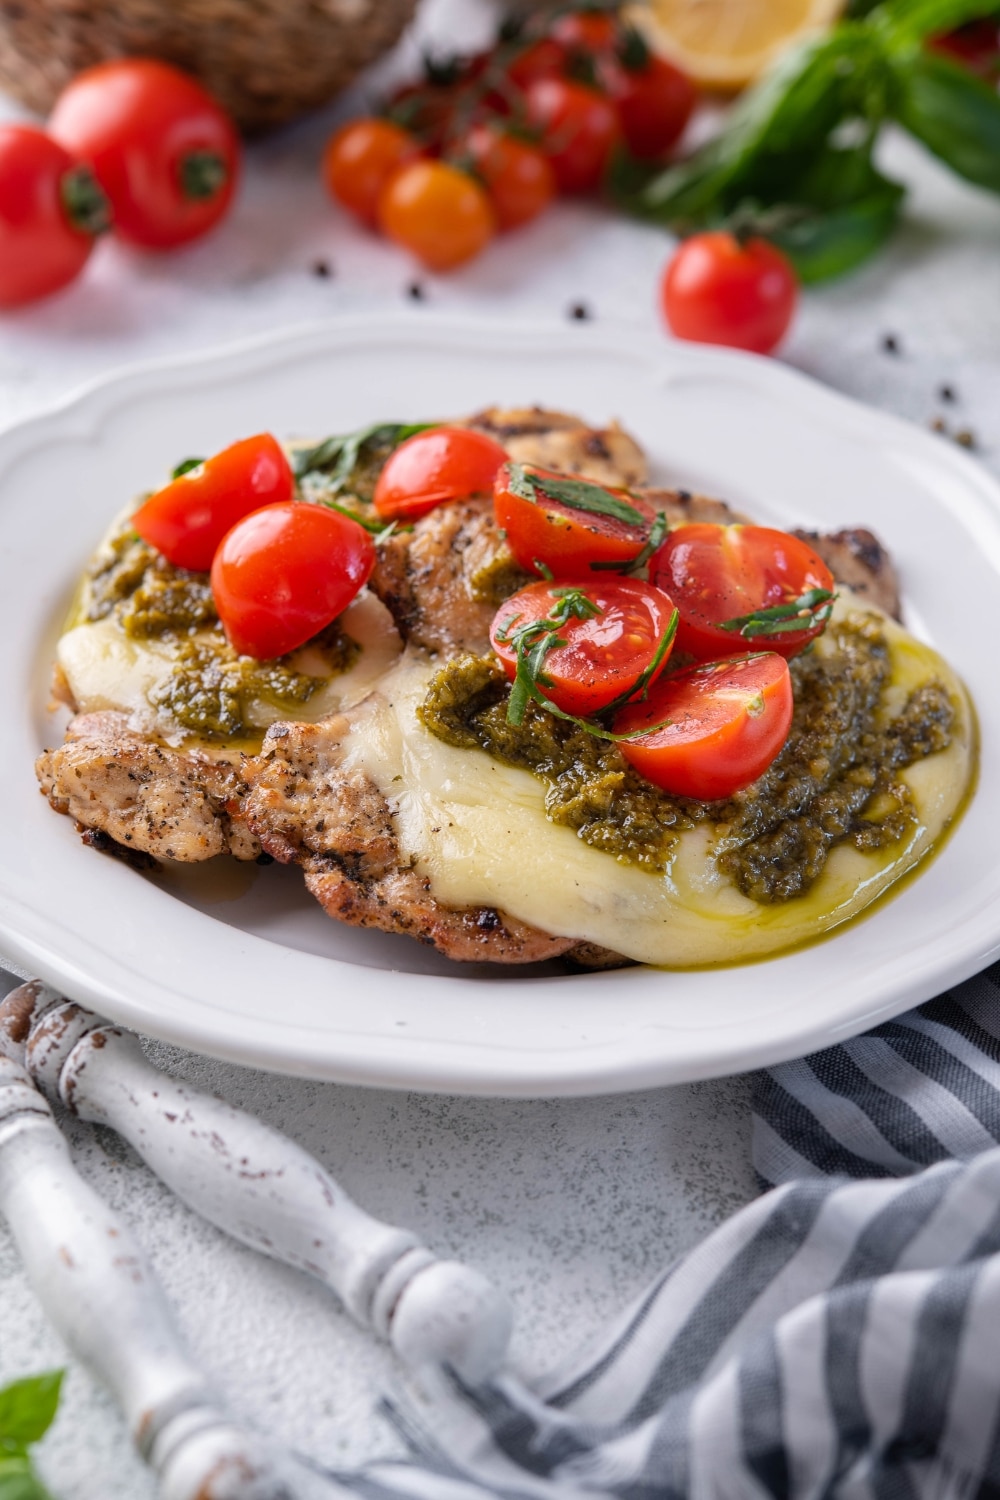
304 799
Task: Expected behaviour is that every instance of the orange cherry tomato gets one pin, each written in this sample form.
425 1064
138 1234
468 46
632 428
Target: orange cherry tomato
359 160
433 467
188 518
285 572
564 539
518 177
166 154
604 653
718 291
720 574
720 726
578 128
437 212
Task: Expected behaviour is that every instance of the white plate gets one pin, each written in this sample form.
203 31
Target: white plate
263 977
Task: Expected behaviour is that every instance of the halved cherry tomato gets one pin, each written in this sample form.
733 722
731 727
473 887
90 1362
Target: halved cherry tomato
436 211
566 540
518 177
285 572
50 211
433 467
654 103
726 573
578 128
718 291
721 725
188 518
359 160
604 654
163 150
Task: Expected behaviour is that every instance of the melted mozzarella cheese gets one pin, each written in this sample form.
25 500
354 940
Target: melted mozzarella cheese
107 669
478 830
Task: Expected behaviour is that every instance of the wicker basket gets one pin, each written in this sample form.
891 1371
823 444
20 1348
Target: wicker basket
266 61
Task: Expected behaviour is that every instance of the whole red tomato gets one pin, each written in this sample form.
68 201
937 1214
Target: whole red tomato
188 518
543 58
50 210
654 101
578 128
164 152
286 572
434 467
437 212
717 290
359 160
517 176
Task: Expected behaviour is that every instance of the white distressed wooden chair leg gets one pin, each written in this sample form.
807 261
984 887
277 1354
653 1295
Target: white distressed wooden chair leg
262 1188
99 1290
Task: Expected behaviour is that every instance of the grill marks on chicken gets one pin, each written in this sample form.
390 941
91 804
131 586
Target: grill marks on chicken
172 804
556 440
857 559
307 808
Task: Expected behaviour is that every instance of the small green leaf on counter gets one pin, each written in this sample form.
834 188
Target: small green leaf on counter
19 1481
27 1410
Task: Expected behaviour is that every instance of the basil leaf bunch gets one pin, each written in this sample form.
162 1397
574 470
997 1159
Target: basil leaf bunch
795 159
340 459
27 1410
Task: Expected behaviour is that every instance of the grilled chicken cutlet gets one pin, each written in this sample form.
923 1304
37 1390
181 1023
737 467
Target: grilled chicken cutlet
344 792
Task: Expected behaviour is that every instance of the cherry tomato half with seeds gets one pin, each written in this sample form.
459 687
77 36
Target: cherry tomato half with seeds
567 541
285 572
359 160
605 652
437 212
51 208
434 467
721 724
163 150
518 178
720 574
188 518
654 104
718 291
578 129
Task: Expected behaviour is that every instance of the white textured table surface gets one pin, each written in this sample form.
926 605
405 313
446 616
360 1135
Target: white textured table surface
572 1205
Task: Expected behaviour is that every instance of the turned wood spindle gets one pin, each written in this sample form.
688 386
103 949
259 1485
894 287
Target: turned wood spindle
96 1285
264 1190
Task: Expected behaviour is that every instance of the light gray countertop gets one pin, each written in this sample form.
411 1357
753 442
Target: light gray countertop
571 1206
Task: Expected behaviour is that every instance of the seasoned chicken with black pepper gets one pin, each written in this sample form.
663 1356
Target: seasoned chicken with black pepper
381 758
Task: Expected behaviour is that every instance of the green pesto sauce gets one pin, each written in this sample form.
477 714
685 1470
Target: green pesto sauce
834 781
209 689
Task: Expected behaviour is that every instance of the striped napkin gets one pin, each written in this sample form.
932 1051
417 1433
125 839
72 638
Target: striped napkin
839 1337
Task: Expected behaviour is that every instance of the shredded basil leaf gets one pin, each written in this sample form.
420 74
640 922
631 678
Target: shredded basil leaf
575 494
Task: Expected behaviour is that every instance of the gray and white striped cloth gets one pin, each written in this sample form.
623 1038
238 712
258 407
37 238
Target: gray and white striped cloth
839 1337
